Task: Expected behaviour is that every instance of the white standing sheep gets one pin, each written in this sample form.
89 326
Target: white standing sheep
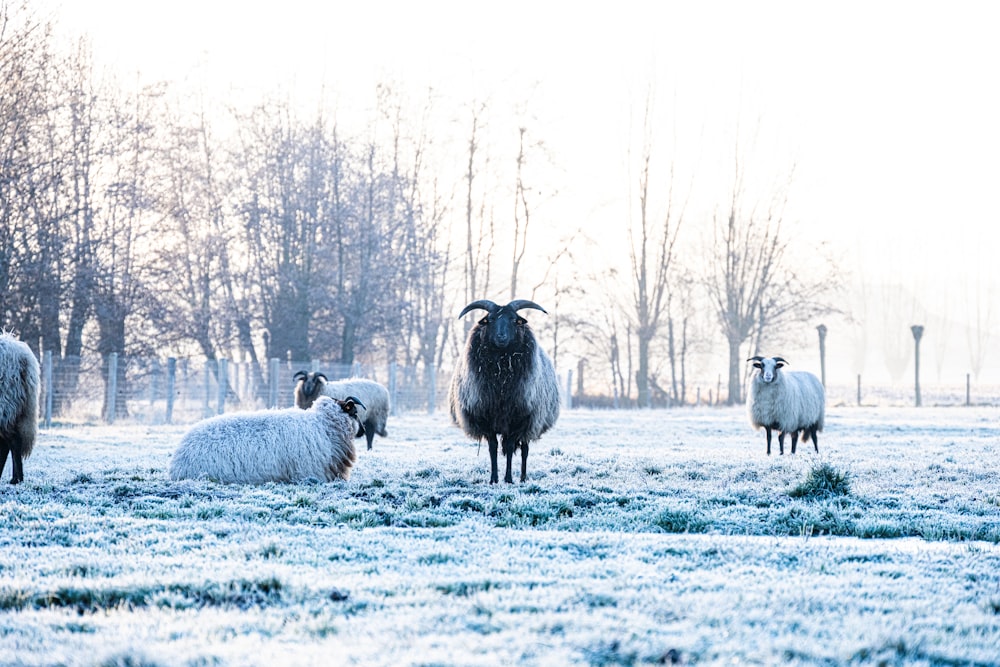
373 413
787 402
19 381
289 445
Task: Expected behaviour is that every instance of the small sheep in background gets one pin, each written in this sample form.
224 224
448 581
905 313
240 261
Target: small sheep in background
504 384
787 402
373 413
19 382
290 445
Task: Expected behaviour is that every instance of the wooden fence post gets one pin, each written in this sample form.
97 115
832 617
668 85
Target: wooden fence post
222 379
274 367
112 387
171 381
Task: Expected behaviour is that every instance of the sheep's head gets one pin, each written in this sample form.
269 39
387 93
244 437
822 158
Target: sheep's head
350 406
768 367
307 387
502 325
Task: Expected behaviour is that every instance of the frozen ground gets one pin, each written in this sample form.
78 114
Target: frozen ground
640 538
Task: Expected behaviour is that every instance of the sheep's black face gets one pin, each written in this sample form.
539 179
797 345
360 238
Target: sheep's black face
310 385
503 328
350 406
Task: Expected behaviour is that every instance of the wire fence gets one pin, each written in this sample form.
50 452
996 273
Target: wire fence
93 389
107 389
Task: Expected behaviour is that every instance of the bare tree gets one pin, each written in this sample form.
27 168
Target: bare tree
123 229
425 251
978 331
652 243
898 307
752 284
479 236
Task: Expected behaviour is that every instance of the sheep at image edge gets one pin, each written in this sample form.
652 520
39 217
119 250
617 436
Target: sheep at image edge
373 413
787 402
504 384
290 445
19 381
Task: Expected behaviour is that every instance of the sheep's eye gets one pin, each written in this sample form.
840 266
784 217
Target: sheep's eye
757 364
521 321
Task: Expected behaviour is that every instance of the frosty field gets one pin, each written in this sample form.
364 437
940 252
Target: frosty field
640 538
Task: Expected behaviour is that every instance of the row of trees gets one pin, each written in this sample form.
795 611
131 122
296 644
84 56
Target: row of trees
132 220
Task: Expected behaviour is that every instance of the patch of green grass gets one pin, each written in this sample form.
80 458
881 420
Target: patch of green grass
426 519
210 512
467 588
127 660
241 593
467 505
271 550
679 520
436 559
823 480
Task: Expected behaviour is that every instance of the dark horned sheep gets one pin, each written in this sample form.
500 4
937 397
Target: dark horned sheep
19 381
373 413
787 402
289 445
504 384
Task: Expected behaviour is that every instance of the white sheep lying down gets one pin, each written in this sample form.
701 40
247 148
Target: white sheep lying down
290 445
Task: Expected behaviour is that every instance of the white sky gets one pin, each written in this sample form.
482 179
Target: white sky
890 111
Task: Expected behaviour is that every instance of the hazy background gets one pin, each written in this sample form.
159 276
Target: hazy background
885 113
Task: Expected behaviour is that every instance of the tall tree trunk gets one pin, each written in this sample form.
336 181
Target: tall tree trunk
735 373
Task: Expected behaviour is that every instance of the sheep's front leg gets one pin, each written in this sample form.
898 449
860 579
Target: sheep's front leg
781 443
795 440
524 461
15 460
767 430
4 448
509 445
492 439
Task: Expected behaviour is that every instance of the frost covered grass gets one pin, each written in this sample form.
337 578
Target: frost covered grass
640 538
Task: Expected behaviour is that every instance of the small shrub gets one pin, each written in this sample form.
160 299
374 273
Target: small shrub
823 480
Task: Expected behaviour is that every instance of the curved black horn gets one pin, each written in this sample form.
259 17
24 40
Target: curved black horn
756 359
357 401
518 304
780 359
316 376
301 375
482 304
